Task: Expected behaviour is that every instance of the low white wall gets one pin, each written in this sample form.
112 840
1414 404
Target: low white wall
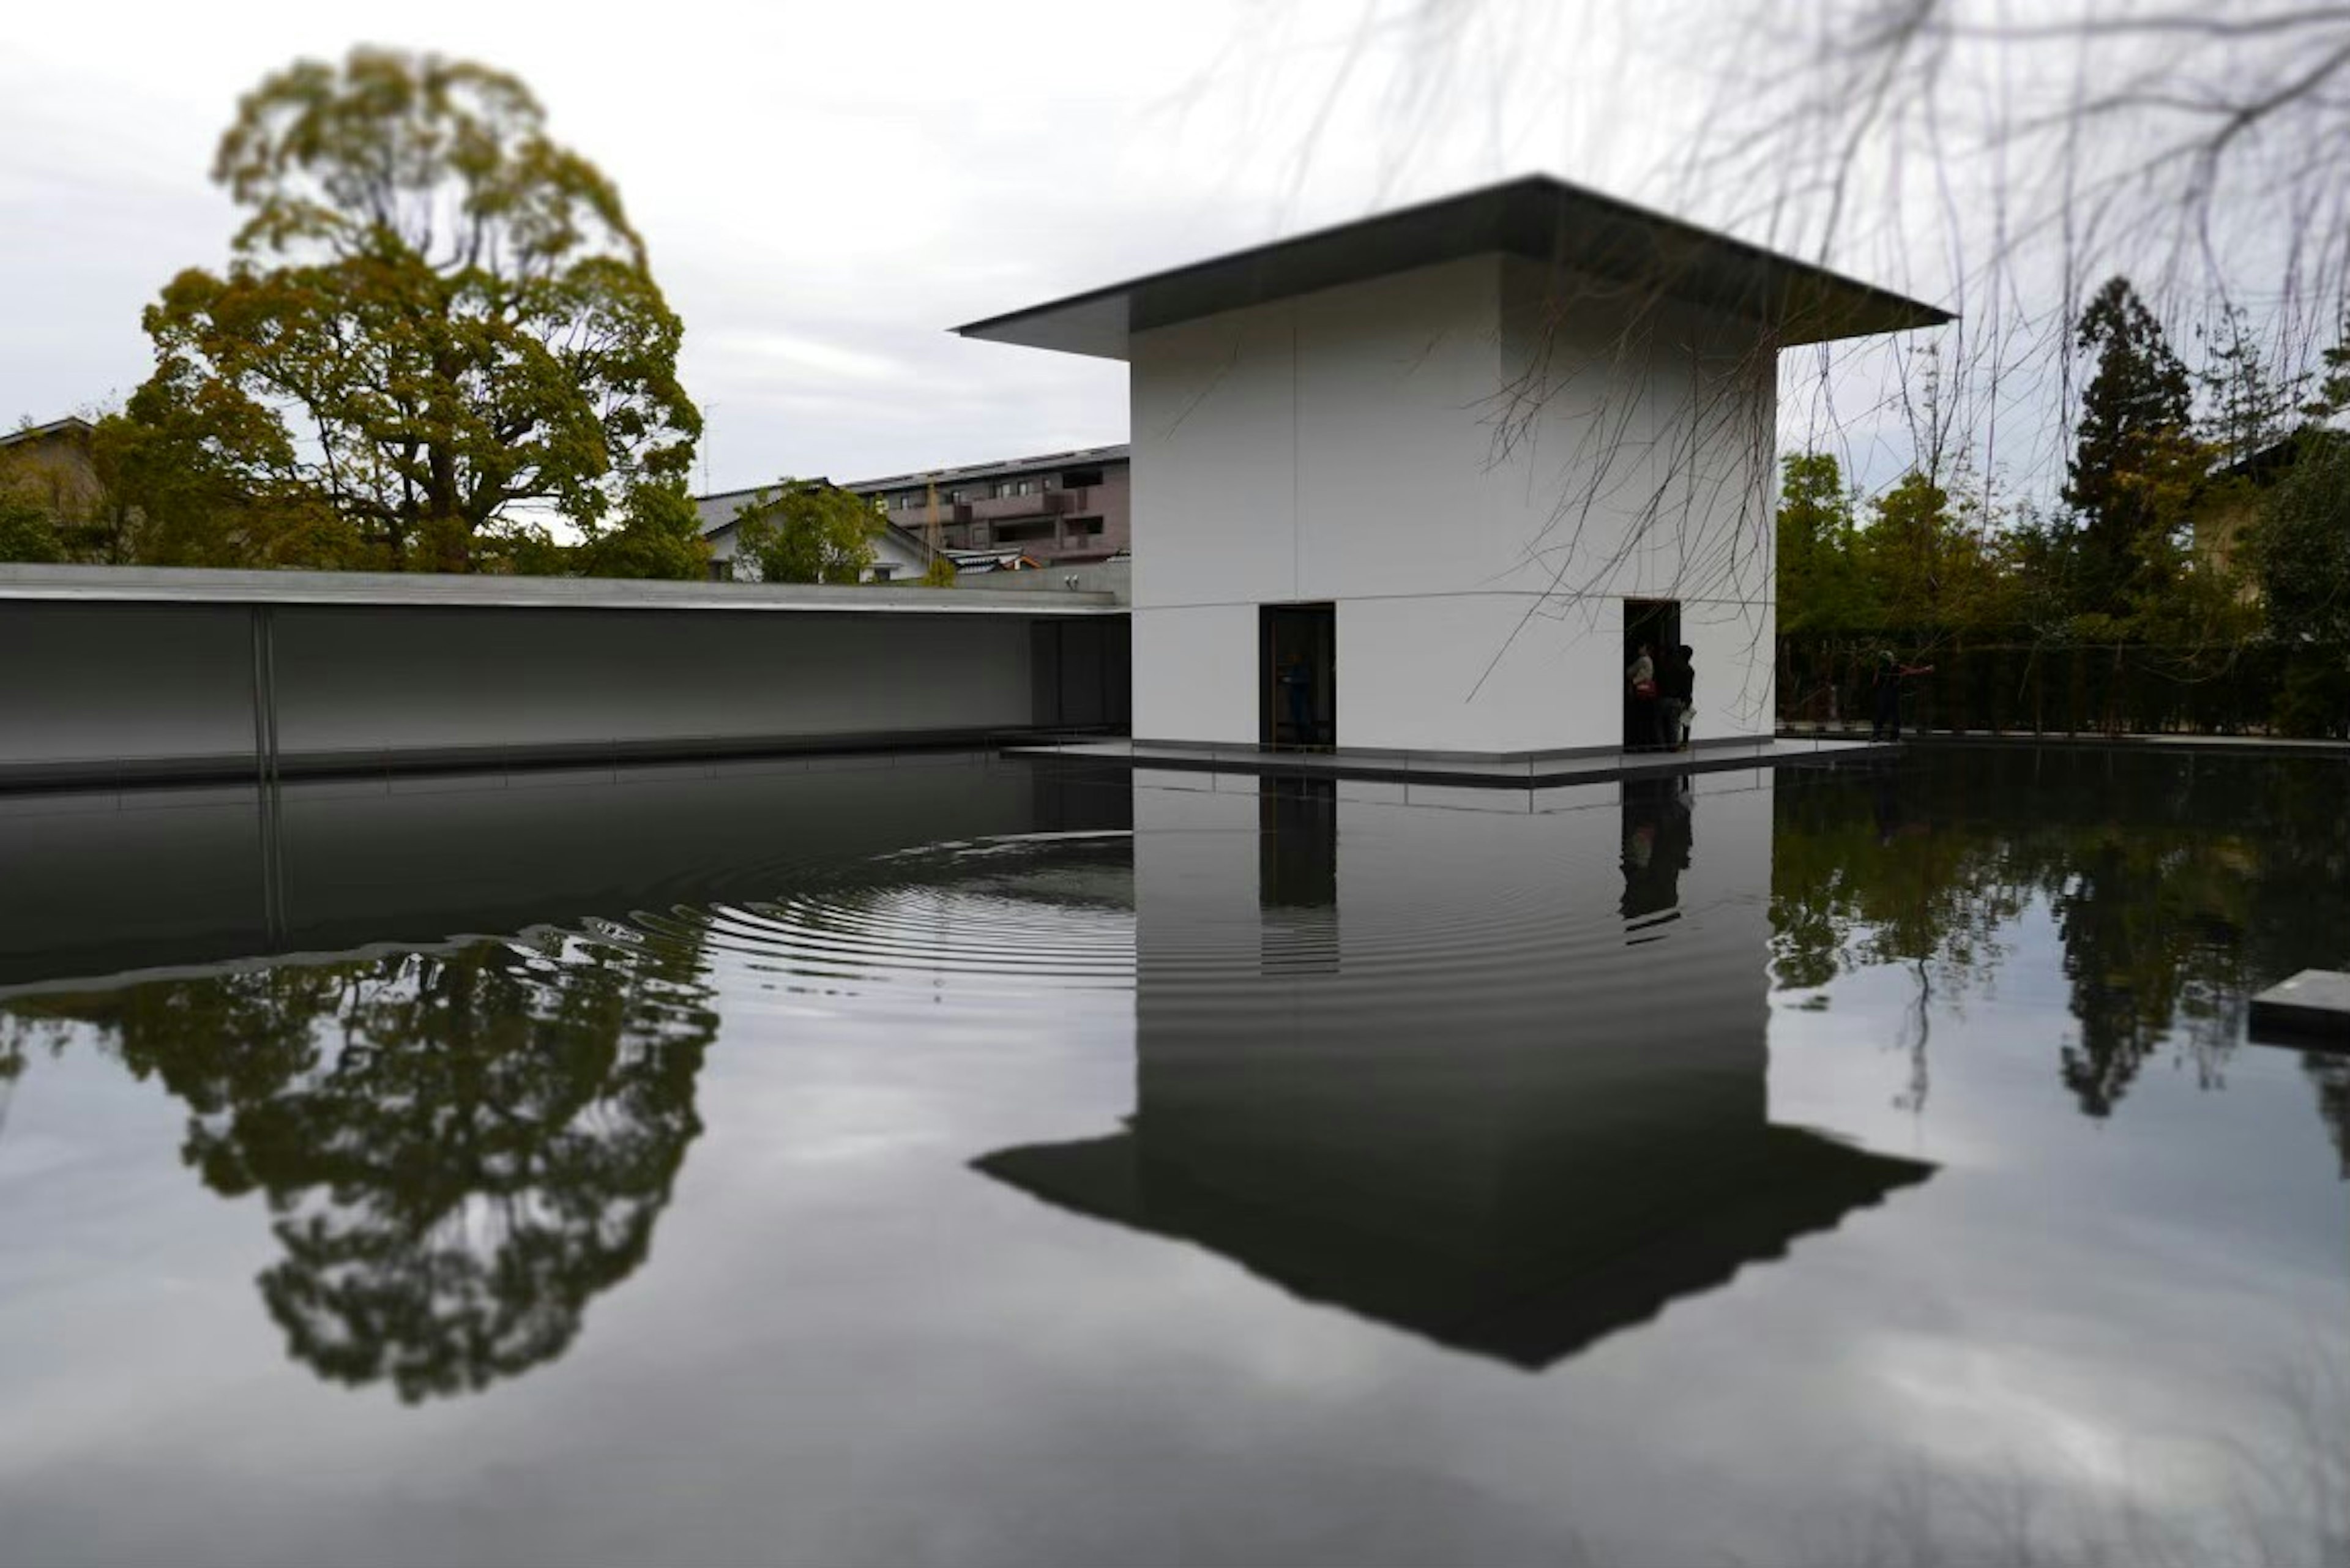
387 679
129 689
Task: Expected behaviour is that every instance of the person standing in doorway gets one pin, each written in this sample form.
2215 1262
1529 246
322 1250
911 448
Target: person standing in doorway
1297 686
1678 683
1641 679
1885 695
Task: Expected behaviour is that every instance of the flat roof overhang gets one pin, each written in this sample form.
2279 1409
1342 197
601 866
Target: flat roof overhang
1538 217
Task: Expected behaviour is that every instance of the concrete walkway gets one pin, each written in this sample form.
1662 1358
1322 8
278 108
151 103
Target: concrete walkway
2238 745
1519 770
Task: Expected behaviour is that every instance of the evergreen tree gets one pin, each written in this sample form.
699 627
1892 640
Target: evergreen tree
2252 408
2135 463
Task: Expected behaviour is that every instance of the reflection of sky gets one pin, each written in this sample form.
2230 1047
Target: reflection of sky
2102 1303
848 1347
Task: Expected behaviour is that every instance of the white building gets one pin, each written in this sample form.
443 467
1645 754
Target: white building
1464 454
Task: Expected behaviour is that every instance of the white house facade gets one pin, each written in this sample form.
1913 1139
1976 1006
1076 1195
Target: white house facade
899 555
1422 483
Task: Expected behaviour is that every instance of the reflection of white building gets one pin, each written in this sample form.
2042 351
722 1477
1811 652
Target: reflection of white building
1496 1079
1460 453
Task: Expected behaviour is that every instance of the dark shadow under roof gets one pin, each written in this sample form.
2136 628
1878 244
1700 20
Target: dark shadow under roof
1536 217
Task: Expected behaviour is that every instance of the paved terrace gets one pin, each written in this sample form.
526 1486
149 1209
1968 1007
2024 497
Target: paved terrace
1524 770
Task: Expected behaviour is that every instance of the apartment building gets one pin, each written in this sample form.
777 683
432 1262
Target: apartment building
1062 508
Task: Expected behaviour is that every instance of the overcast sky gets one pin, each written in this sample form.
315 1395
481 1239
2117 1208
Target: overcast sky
825 188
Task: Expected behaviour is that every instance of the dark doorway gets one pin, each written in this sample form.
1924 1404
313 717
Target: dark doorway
1297 675
1655 624
1297 875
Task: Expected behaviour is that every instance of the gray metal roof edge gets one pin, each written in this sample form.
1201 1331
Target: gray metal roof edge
1547 184
197 586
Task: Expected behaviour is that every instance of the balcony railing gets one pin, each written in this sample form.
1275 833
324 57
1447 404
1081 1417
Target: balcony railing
1004 508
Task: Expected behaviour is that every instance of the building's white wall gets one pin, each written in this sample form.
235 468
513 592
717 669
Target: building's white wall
1643 466
1471 465
1195 673
1253 483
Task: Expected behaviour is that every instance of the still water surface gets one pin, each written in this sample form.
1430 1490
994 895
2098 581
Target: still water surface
951 1160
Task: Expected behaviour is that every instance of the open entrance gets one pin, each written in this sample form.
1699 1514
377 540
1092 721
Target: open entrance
1297 675
1654 625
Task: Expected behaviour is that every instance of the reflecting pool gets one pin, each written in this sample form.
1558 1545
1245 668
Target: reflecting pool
951 1158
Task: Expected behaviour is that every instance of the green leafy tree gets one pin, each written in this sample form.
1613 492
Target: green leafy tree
1933 569
26 533
807 531
177 495
2305 544
2136 463
659 536
1822 586
2304 553
436 323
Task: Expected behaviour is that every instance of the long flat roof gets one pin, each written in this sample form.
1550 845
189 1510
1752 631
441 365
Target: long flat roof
1538 217
176 584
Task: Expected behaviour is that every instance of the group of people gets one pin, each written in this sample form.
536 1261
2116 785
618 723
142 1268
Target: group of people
1662 692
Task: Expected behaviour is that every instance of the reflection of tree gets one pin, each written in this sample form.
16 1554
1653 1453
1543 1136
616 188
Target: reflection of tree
2178 885
461 1149
1858 878
2332 1077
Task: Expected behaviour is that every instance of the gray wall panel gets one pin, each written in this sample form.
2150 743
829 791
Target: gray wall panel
104 690
352 680
130 680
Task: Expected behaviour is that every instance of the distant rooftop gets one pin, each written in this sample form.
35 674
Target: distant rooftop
55 427
1538 217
